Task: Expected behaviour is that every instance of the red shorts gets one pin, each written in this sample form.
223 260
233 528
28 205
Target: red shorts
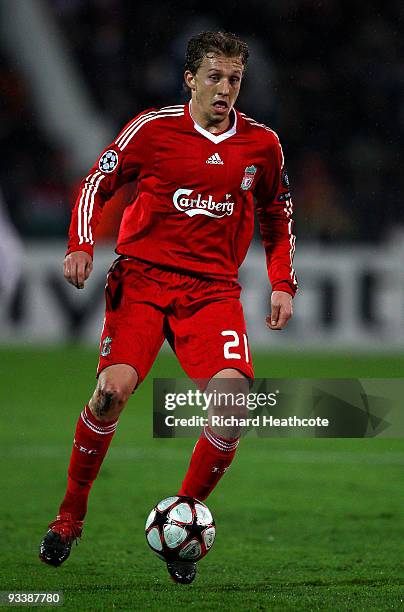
202 320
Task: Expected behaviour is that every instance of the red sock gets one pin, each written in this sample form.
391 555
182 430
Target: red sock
210 459
90 444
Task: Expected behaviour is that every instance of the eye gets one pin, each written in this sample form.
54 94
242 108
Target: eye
214 77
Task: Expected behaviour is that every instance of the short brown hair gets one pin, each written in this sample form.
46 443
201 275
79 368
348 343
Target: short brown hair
224 43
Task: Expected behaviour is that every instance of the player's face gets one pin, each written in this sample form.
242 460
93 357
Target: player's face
215 88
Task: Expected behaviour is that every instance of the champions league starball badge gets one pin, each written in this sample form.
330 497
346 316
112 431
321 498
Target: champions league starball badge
285 179
108 161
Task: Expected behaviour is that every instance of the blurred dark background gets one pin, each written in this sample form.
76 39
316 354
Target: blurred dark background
327 76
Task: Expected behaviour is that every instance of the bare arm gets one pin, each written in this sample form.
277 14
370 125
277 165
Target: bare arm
77 267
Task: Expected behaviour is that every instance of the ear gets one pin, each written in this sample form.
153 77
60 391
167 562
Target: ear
189 79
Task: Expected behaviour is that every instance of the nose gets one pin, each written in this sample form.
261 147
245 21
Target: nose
224 88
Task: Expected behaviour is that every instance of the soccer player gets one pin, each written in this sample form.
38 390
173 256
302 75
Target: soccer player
201 168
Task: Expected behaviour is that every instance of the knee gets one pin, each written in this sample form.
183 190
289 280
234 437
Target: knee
231 394
109 399
237 409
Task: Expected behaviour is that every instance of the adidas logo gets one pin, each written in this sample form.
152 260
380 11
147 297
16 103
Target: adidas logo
214 159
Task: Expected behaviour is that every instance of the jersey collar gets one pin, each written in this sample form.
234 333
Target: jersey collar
216 138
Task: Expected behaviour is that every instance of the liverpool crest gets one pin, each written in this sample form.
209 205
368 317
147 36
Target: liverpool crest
249 174
106 346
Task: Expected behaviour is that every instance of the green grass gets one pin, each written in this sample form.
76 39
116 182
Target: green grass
302 524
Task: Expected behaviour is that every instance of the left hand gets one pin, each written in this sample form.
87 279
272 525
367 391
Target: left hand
281 310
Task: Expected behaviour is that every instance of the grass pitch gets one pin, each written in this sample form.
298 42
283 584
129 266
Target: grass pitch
302 524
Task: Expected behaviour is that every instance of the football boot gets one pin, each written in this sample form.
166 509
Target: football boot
56 545
182 572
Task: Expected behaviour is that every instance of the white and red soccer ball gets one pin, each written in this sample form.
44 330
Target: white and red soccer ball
180 528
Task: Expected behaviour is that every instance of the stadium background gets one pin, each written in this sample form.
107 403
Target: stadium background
324 515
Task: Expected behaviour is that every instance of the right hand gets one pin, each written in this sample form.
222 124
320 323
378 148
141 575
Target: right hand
77 267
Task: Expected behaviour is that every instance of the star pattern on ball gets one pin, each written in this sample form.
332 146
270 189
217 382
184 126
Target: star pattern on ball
108 161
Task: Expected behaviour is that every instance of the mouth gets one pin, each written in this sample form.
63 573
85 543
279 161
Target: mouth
221 107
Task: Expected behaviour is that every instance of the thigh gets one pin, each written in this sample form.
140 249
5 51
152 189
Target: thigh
212 338
133 326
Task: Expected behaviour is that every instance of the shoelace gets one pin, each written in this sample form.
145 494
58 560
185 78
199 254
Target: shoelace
67 527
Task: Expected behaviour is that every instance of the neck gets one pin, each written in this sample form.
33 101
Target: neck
204 122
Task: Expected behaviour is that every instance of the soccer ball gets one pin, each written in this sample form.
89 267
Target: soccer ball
180 529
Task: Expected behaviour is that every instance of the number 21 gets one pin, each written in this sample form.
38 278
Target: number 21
234 344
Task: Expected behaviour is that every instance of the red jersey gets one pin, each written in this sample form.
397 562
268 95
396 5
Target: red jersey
194 206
